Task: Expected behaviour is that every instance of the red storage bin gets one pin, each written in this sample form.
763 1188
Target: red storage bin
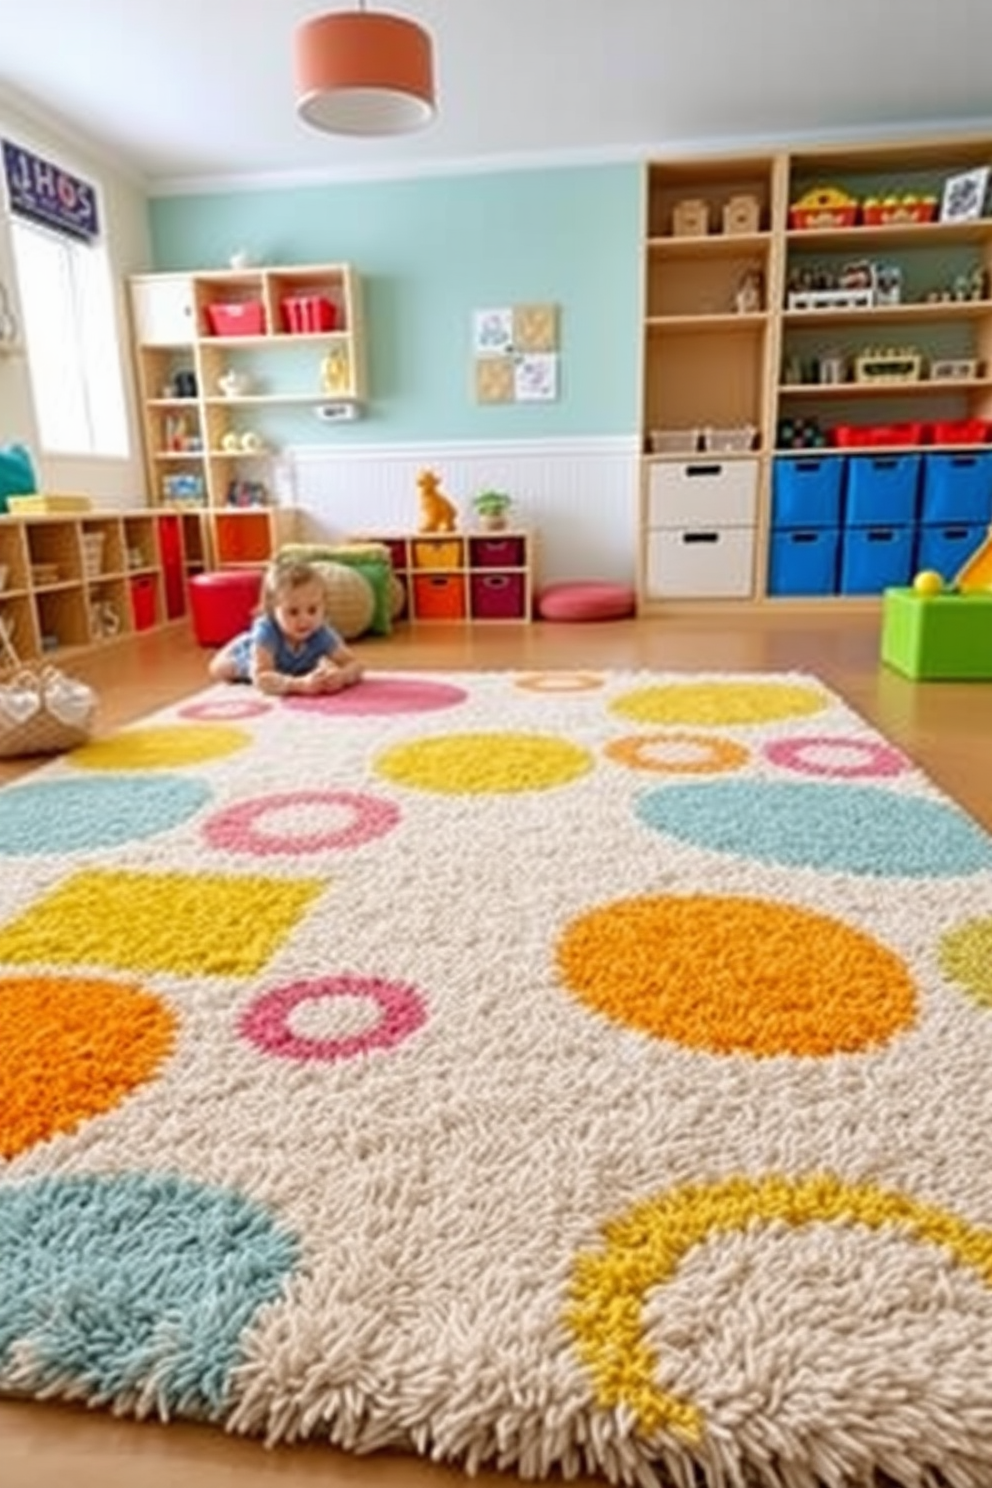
496 552
306 314
498 596
143 601
871 436
223 603
236 318
961 431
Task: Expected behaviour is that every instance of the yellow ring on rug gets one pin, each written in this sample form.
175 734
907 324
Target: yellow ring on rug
72 1049
728 975
713 755
484 764
161 747
645 1247
726 703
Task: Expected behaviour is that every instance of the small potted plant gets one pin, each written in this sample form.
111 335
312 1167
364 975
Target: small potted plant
491 508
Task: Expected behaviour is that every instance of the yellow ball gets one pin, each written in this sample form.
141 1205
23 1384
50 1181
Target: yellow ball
928 582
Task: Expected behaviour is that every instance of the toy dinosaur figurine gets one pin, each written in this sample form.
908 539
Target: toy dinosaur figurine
437 512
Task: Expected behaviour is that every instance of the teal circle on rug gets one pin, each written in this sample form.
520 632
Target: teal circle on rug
844 828
114 1284
101 811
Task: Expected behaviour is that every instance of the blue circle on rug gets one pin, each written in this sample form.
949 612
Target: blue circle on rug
74 815
119 1284
845 828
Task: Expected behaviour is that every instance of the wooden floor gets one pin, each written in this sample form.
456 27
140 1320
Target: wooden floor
945 727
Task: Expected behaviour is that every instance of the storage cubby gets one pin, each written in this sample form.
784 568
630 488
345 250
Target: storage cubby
83 580
462 576
851 316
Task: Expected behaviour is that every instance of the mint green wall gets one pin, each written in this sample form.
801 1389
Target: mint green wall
430 251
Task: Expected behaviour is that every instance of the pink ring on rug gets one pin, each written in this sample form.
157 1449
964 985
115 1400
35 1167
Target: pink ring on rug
222 708
236 829
382 695
876 759
266 1022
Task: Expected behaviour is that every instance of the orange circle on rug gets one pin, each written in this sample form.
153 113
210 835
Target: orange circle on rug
71 1049
678 753
737 976
966 958
161 747
719 703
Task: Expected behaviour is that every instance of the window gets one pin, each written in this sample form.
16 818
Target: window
69 324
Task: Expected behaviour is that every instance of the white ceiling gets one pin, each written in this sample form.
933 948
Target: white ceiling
200 91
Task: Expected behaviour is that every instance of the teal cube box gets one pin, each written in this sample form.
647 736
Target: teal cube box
939 637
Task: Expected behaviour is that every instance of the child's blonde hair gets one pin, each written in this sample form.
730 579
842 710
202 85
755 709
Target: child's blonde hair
285 574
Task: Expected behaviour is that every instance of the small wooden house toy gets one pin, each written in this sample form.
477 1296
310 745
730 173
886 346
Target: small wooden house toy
741 214
691 218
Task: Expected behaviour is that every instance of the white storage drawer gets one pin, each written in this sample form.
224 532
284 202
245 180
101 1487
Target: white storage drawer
703 493
700 563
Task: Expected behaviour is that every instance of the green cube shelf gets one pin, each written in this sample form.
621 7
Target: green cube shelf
938 637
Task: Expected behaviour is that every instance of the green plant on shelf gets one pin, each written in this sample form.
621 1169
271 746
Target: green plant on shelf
491 508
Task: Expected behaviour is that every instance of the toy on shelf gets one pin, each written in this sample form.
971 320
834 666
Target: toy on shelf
963 287
955 369
854 286
749 295
691 218
888 364
823 207
804 433
898 210
437 512
741 214
335 371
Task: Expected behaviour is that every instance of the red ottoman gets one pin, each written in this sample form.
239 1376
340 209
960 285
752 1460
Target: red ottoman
223 603
586 599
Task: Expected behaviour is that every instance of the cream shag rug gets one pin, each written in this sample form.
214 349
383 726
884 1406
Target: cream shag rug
553 1071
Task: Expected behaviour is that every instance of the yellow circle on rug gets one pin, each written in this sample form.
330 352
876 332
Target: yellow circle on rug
719 703
71 1049
162 747
966 957
678 753
484 764
737 976
645 1247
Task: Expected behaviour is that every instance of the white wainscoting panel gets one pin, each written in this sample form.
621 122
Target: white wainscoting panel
578 496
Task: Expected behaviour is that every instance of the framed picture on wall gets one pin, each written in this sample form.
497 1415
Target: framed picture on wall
964 195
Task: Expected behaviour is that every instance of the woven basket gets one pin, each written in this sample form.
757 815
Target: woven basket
42 711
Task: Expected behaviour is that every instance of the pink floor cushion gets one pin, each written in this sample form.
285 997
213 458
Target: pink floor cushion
586 599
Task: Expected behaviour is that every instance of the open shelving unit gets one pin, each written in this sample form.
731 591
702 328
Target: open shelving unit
223 357
71 582
747 367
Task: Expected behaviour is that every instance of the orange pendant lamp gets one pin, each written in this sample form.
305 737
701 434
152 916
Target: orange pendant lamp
364 73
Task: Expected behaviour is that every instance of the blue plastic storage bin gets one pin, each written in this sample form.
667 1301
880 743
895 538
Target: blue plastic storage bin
946 549
882 490
806 490
957 488
876 558
804 561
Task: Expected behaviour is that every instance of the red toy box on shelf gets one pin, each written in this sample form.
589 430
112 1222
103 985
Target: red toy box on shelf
961 431
236 318
893 211
305 314
862 436
824 207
